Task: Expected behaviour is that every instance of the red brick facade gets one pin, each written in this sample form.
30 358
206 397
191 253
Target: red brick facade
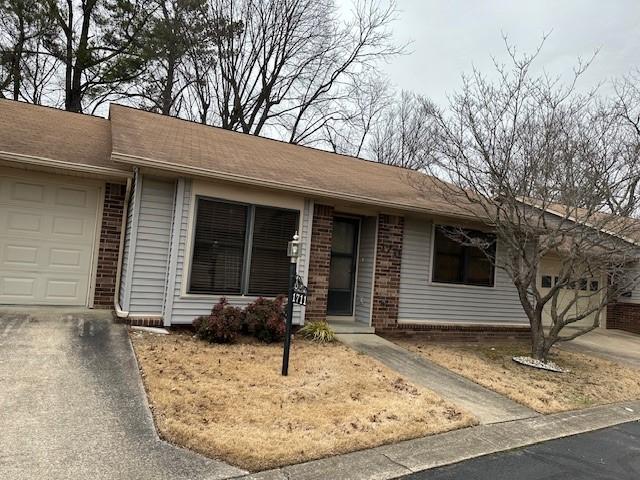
386 290
141 321
109 247
624 316
459 333
319 262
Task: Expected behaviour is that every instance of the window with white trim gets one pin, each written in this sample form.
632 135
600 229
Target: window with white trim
240 249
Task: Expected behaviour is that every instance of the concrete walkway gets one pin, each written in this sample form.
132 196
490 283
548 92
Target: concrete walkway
488 406
72 404
613 345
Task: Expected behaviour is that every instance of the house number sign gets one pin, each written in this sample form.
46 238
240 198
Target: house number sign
299 292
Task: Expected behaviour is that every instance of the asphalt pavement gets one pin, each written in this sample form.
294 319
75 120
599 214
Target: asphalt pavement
608 454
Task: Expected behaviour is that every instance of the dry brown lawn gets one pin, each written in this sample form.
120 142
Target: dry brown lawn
230 402
590 380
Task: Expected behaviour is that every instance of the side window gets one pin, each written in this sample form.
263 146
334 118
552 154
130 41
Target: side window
456 261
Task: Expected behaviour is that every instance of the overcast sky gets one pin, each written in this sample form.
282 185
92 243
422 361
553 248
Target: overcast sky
450 36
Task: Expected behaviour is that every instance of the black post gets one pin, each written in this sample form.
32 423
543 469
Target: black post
287 334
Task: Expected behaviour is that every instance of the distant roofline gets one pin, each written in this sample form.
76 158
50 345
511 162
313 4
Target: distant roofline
56 109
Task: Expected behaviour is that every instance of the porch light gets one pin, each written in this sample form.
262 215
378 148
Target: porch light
293 248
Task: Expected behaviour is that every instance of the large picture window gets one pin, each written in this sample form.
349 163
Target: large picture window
240 249
457 260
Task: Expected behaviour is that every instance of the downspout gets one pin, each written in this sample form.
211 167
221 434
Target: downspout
123 231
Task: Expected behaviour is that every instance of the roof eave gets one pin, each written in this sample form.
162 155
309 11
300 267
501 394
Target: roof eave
282 186
77 167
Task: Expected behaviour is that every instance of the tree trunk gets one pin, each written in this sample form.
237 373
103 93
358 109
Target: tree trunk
538 344
17 59
167 91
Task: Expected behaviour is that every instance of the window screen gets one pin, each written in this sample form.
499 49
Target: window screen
273 228
219 244
455 262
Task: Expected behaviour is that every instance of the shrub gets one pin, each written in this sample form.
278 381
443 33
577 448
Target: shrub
265 319
222 325
319 332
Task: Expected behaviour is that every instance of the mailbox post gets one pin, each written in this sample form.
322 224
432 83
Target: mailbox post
293 251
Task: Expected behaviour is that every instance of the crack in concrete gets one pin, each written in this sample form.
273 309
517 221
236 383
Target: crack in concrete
395 462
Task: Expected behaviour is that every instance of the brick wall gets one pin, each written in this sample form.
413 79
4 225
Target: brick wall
386 291
624 316
458 333
109 247
140 321
319 262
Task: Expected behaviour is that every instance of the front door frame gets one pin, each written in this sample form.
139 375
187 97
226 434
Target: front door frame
356 257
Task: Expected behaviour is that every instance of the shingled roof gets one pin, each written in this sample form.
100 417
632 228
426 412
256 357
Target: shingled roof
53 137
148 139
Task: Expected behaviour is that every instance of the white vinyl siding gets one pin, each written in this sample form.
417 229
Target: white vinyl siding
187 307
127 247
364 281
152 247
424 301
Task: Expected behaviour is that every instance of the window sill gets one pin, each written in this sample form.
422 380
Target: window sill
206 296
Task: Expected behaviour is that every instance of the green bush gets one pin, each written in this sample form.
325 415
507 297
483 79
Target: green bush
319 332
265 319
222 325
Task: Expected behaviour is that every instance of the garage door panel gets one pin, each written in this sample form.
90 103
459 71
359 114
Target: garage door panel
66 258
19 255
28 192
43 289
30 256
18 287
61 289
47 230
18 222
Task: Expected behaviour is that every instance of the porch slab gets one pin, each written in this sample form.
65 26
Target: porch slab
488 406
350 327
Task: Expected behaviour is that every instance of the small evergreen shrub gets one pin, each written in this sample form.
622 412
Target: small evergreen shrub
265 319
319 332
222 325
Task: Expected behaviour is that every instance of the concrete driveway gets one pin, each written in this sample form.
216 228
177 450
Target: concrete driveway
72 404
614 345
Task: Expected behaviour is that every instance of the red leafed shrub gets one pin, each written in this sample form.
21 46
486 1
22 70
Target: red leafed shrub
265 319
222 325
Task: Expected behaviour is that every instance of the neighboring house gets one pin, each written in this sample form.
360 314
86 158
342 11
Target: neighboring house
158 218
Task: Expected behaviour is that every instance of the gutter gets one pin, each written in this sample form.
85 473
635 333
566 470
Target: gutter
123 231
50 162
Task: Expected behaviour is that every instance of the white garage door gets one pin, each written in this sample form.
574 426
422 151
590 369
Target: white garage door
47 231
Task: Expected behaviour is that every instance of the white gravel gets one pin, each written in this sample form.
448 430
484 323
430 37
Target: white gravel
532 362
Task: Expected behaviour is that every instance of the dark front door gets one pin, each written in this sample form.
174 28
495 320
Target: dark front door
342 275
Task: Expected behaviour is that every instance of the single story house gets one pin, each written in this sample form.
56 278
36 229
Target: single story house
157 218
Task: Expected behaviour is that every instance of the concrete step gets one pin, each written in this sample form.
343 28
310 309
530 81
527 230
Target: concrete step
346 326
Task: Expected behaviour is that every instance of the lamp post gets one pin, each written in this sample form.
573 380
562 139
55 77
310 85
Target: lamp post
293 251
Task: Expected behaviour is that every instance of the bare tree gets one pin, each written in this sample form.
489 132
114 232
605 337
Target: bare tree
403 136
352 122
528 158
288 66
23 24
626 108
